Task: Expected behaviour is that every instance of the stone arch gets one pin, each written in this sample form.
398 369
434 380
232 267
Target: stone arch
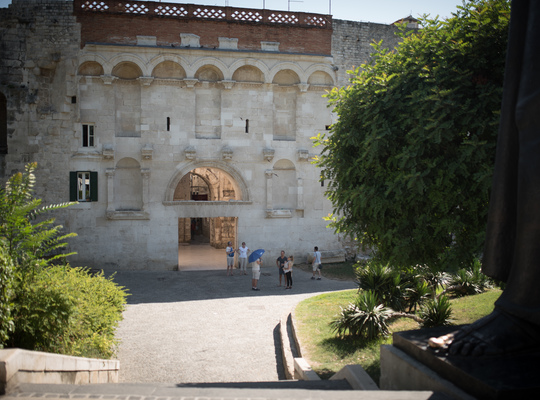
285 185
169 69
128 185
127 70
216 64
96 58
252 63
209 73
248 73
205 184
287 66
320 78
3 124
91 68
286 77
131 58
239 185
320 68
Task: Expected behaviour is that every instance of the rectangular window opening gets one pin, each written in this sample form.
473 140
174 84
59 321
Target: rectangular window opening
247 125
83 186
328 127
87 135
168 124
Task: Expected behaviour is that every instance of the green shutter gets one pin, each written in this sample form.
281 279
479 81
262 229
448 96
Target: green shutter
93 186
72 186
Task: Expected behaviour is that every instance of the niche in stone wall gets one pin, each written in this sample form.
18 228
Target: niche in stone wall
248 73
127 99
284 185
169 70
320 78
91 68
128 187
208 103
285 98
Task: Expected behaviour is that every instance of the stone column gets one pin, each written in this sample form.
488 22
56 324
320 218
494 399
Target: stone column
109 172
300 194
269 173
145 172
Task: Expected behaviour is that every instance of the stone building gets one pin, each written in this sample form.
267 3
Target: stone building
170 123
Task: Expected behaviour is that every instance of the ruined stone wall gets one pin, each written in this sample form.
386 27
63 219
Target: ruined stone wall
351 44
38 57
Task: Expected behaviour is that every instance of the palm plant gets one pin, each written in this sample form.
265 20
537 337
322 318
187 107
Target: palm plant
366 318
436 312
468 281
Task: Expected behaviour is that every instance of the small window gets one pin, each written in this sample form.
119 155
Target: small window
247 125
83 186
87 135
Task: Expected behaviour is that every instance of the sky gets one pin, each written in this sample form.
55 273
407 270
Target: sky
379 11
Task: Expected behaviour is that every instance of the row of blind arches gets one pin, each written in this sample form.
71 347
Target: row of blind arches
210 73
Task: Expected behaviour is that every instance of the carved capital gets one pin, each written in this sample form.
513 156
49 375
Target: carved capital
268 154
108 152
190 83
190 153
228 84
109 172
227 153
147 152
108 79
146 80
303 87
303 155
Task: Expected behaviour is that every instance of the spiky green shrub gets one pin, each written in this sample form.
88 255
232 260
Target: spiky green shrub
384 282
469 281
366 318
436 312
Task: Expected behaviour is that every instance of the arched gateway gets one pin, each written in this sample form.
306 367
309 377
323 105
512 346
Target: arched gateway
204 197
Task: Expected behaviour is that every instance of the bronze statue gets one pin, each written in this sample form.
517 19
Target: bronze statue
512 250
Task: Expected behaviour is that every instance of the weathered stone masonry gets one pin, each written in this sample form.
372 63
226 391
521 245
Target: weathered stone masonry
160 114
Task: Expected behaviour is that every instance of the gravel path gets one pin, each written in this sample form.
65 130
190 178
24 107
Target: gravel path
202 326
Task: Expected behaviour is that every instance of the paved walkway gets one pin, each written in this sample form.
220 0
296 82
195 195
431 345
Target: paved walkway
202 326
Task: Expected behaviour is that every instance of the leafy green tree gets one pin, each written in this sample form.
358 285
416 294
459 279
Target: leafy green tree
409 161
27 242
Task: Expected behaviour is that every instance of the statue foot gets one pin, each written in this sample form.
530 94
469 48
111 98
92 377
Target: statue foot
494 335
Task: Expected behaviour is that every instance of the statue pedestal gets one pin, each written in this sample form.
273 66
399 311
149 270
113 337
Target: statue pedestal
410 365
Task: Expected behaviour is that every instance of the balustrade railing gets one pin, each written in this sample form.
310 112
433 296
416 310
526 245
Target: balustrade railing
200 12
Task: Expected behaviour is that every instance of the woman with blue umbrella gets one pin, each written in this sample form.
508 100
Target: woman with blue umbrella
255 257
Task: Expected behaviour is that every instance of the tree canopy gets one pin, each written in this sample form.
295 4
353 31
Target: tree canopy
410 160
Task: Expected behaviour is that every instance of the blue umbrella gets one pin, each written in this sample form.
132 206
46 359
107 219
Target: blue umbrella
255 255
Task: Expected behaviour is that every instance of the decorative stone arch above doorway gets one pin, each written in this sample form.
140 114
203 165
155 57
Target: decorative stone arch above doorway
240 186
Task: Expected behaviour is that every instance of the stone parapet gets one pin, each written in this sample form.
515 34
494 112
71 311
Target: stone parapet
19 366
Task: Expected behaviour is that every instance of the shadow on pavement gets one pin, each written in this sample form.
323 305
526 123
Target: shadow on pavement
178 286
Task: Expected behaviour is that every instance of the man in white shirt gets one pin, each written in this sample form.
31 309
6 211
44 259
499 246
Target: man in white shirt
243 257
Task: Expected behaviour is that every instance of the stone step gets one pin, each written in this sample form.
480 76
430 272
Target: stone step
290 390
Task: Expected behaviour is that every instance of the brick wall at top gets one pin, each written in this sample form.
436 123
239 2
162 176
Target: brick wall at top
311 34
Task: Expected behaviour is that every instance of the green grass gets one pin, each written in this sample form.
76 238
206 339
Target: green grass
327 354
339 271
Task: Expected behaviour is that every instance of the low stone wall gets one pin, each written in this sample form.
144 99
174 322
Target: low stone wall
23 366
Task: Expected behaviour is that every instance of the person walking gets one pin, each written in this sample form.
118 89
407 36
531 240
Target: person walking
256 271
230 258
243 258
316 265
280 262
288 272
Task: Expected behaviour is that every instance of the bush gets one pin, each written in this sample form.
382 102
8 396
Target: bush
6 282
69 311
469 281
366 318
436 312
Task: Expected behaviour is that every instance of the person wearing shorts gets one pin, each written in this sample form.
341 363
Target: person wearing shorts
256 270
280 262
316 265
230 258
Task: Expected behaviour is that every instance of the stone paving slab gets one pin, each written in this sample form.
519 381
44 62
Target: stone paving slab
202 326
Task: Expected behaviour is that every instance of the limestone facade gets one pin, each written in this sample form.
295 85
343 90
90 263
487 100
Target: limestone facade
166 121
